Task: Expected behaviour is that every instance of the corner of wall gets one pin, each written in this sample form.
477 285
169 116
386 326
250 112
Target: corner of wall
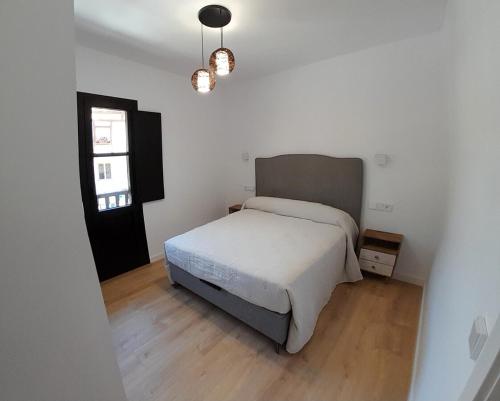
418 344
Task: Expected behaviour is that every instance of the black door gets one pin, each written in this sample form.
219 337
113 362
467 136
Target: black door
113 210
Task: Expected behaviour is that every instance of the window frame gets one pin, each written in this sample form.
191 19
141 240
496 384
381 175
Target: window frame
96 156
87 157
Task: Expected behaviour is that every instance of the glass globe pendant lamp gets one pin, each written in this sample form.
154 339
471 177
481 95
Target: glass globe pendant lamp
203 79
222 59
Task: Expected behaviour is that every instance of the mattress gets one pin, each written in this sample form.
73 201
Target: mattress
256 255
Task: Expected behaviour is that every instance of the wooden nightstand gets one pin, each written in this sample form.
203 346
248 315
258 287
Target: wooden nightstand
379 252
234 208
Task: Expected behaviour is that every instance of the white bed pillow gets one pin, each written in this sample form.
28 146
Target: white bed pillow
305 210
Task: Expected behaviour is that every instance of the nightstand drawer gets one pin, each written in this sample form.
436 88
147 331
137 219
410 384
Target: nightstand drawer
379 257
375 267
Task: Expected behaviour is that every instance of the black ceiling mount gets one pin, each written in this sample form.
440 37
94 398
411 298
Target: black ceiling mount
214 16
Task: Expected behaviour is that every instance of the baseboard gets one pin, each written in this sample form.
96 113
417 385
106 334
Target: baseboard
416 356
409 279
156 257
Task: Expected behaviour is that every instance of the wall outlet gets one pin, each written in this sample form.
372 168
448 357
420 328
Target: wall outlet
249 188
381 207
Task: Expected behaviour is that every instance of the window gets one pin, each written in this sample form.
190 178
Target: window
101 171
111 158
104 171
102 134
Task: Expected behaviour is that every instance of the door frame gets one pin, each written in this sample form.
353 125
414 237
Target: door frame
87 180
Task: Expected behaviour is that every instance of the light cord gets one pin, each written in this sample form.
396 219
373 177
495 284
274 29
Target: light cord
202 49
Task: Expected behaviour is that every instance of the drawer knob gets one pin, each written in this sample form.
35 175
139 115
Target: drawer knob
376 256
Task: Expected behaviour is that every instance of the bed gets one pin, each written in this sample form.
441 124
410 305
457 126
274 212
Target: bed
275 263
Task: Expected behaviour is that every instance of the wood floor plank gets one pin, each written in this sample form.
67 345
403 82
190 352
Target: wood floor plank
171 345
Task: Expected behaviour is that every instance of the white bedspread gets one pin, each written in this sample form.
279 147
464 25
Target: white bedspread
276 253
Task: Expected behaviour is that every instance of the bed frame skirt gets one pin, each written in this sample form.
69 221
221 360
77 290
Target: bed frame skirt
272 324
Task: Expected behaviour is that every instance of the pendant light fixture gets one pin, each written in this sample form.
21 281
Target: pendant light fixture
203 80
222 60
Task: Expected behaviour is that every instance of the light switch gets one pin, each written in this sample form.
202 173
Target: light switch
381 207
478 336
245 156
381 159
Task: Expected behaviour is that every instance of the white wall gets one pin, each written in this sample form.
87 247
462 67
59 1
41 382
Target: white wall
465 279
55 342
193 141
387 99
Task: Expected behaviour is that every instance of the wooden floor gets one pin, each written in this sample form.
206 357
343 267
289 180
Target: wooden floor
172 345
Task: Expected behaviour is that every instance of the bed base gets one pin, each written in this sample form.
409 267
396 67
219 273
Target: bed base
272 324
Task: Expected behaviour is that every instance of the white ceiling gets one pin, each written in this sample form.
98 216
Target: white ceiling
265 36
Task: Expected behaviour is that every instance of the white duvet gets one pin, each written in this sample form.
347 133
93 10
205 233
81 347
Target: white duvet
279 254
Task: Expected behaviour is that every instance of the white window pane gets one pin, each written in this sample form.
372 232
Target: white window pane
109 130
111 201
113 191
101 203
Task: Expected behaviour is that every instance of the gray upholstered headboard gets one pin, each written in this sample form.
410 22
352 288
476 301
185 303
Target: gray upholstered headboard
333 181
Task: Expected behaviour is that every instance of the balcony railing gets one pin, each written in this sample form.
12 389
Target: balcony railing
114 200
